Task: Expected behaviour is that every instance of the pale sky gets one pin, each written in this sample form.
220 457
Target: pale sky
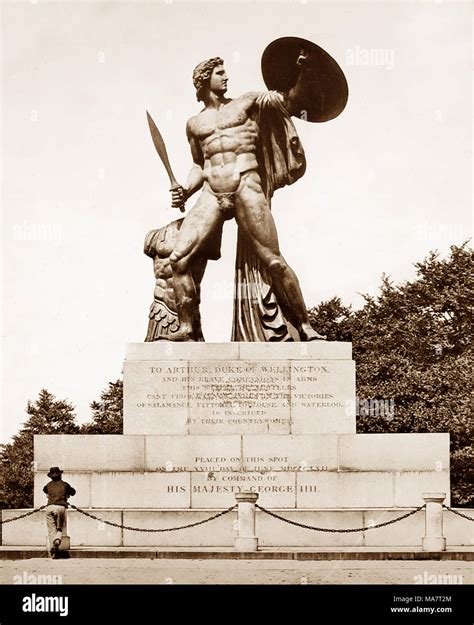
386 182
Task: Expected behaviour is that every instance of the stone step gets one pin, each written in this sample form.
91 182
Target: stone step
413 553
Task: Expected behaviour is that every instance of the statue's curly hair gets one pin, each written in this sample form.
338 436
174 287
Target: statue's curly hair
202 74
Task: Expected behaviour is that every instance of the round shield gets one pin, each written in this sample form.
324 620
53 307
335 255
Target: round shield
318 83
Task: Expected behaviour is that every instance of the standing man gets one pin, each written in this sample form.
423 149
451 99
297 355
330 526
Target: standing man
58 493
226 146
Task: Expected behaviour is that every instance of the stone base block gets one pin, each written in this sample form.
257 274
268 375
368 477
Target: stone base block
276 489
78 452
30 531
274 533
218 533
462 529
343 452
87 532
288 471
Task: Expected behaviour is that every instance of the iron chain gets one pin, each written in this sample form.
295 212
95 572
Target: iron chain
141 529
326 529
464 516
22 516
219 514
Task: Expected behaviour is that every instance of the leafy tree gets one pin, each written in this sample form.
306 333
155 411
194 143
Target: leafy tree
107 414
412 346
47 415
332 320
462 475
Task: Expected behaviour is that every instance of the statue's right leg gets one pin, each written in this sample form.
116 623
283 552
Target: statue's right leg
197 226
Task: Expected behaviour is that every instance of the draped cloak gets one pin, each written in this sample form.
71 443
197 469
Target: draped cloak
259 313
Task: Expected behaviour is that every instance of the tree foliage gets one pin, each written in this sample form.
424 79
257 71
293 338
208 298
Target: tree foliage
107 414
47 415
412 345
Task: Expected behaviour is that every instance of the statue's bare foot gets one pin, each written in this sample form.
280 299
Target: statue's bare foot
307 333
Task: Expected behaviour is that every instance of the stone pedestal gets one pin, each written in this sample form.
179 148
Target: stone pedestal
183 389
204 422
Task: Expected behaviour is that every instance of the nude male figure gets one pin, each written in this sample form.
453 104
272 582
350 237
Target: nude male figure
223 138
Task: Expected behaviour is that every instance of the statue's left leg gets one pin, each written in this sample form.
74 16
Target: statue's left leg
253 215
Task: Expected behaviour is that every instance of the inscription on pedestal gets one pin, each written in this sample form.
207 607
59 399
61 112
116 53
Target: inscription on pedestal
218 489
262 453
236 397
239 396
322 396
170 388
155 397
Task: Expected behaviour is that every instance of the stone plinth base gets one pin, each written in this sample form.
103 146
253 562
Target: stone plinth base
200 472
204 422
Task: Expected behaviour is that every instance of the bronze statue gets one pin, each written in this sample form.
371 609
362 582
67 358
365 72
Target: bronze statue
163 320
244 149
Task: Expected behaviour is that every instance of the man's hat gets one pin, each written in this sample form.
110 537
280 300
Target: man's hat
55 472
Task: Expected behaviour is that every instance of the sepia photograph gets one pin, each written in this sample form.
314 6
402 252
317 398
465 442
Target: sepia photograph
236 312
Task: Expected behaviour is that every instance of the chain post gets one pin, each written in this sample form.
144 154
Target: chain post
433 539
246 539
